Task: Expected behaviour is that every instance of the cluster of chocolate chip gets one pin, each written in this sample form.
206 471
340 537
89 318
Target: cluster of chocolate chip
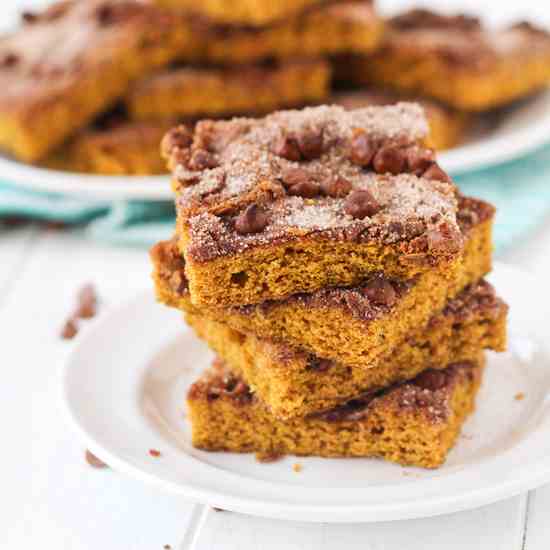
306 145
393 158
180 146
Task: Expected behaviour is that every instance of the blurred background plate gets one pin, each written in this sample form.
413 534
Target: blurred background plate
92 186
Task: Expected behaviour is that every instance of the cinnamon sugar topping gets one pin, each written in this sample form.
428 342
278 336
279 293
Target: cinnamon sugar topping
302 168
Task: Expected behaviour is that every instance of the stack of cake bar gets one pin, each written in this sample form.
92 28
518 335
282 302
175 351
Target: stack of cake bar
338 274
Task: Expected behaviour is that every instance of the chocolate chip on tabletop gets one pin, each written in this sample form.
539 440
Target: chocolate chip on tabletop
86 308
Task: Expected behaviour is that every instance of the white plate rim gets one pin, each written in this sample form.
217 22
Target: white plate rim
536 474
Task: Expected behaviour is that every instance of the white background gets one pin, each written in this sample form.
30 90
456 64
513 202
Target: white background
51 499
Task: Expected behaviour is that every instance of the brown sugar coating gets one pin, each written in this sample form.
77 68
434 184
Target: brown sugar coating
253 89
402 222
292 383
54 80
456 60
414 423
448 127
352 325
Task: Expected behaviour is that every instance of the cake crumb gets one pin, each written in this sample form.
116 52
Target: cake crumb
297 467
217 509
154 453
86 308
268 457
520 396
69 330
94 461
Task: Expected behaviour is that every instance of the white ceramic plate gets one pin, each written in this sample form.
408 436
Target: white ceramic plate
125 384
525 128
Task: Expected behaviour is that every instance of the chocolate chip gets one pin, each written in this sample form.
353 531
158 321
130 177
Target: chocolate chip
310 144
9 60
380 292
435 172
252 220
299 182
430 380
29 17
201 160
286 147
93 461
154 453
362 149
105 14
295 176
337 187
419 159
307 190
361 204
87 302
179 137
389 159
69 330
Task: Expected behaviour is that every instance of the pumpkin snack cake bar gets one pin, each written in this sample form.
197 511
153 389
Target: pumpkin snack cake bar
456 60
329 29
414 423
193 92
293 383
129 148
303 200
355 326
448 127
72 61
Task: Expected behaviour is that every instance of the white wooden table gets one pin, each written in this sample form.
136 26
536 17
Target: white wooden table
50 498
